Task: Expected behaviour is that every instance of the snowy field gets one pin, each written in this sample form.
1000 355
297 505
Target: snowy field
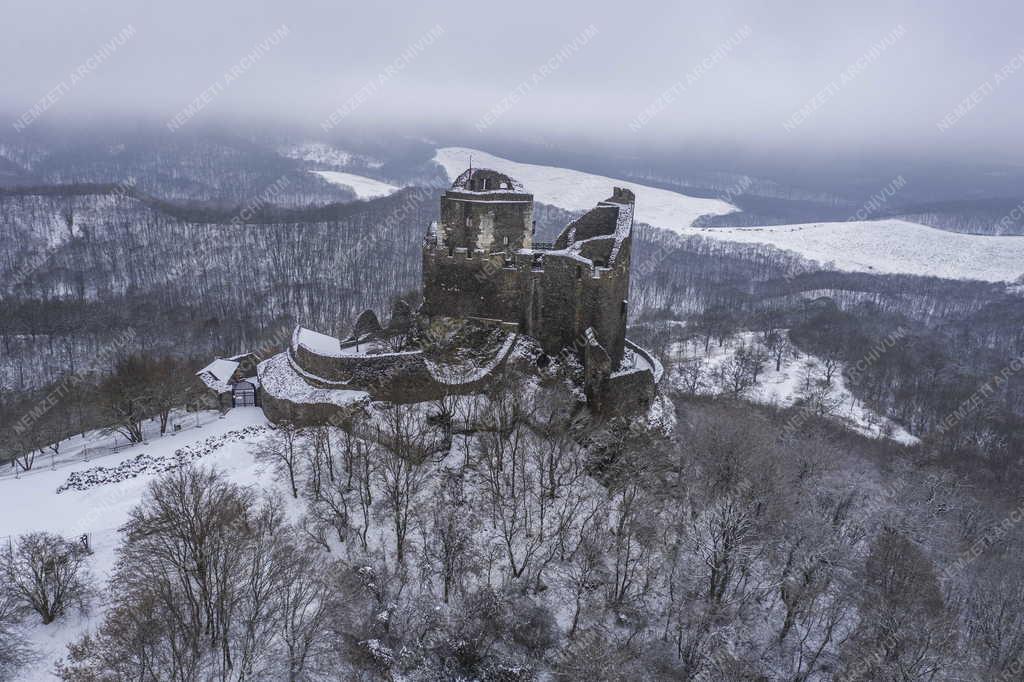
31 503
890 247
782 388
578 191
882 246
364 187
320 153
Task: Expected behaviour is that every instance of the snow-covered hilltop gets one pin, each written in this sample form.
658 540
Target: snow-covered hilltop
364 187
890 247
578 191
882 246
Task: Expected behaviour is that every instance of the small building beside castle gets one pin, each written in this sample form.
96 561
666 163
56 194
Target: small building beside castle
491 296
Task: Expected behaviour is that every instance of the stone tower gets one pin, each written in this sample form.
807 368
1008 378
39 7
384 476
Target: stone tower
485 211
480 261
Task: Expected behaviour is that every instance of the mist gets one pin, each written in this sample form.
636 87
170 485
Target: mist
882 78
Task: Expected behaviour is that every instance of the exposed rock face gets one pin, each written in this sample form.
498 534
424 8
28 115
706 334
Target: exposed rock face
401 318
366 323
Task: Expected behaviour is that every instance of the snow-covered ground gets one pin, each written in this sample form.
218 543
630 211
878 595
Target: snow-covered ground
881 246
94 445
324 154
31 503
890 247
577 191
364 187
783 388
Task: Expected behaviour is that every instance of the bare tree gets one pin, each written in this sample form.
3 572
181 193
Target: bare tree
284 450
15 650
301 601
401 474
209 585
736 375
779 346
47 574
693 373
125 397
449 546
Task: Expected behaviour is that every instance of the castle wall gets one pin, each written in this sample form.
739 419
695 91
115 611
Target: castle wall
280 410
470 222
555 304
473 285
595 222
629 393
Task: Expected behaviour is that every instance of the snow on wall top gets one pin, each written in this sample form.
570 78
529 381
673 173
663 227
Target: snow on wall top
455 375
280 381
578 191
623 228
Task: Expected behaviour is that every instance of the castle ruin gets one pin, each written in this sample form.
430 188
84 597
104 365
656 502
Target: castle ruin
492 296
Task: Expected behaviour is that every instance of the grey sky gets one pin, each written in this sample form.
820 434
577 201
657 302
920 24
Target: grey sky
487 51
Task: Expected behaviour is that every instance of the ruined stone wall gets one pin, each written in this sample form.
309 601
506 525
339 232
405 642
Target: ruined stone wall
555 304
629 393
472 223
280 410
559 289
399 377
473 285
597 221
396 377
574 299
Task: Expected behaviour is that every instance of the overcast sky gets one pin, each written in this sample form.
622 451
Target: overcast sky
871 73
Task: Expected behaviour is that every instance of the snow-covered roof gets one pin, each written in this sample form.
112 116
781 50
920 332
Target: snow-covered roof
321 344
221 369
